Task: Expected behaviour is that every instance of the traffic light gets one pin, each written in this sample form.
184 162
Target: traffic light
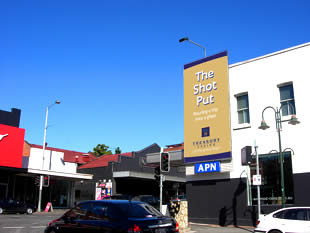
46 181
157 174
164 162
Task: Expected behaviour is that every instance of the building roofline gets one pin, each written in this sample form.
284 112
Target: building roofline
56 149
140 151
270 55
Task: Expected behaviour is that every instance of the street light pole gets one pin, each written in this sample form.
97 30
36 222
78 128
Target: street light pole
44 144
258 186
186 39
278 120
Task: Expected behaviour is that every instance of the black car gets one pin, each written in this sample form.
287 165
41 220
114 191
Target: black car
12 206
113 216
149 199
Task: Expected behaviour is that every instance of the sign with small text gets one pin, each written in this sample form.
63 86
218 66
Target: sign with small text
208 167
257 180
207 135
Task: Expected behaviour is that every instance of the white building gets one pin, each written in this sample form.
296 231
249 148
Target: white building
60 166
227 197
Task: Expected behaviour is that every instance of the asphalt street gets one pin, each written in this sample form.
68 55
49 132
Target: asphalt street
36 223
23 223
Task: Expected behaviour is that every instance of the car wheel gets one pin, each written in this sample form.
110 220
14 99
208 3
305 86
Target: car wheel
1 211
29 211
274 231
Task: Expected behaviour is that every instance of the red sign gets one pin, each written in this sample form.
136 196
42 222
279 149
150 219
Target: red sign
48 206
11 146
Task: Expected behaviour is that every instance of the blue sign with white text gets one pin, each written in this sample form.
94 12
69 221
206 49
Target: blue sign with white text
207 167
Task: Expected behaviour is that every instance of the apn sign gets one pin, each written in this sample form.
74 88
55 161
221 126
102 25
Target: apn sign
207 167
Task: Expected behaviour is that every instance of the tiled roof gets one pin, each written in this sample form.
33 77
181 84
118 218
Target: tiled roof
69 155
104 160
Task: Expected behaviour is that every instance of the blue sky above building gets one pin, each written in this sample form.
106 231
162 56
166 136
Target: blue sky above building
117 66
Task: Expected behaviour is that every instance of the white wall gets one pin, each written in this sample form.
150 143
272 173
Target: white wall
260 79
53 161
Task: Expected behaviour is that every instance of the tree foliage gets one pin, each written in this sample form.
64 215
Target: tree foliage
118 150
102 149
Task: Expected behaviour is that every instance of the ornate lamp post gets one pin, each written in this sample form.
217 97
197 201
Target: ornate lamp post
263 126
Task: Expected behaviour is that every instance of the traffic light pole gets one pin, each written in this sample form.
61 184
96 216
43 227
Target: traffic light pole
161 193
40 193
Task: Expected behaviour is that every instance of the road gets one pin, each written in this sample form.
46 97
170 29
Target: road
36 223
23 223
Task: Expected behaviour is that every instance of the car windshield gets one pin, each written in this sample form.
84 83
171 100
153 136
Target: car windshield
142 210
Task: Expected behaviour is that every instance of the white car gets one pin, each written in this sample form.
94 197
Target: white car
286 220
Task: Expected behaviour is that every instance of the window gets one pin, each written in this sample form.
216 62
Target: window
279 214
270 190
287 99
295 214
243 108
78 212
143 210
292 214
99 211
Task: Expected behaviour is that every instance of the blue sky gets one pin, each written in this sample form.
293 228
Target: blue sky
117 66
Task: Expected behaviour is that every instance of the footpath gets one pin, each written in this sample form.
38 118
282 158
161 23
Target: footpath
208 228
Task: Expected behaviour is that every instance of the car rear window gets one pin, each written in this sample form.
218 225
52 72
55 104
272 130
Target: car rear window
292 214
278 215
295 214
142 210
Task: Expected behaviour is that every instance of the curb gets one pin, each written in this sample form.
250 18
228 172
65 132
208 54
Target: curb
218 226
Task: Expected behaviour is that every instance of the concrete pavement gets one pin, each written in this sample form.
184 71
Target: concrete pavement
209 228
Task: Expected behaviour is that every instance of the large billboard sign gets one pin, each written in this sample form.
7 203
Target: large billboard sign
11 146
207 133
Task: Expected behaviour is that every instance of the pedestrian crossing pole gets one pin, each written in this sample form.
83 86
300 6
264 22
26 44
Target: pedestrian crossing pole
161 193
161 184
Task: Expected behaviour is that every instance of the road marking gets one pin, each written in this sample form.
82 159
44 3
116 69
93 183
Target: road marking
39 227
13 227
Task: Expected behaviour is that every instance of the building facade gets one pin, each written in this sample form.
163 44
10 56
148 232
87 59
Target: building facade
128 174
21 164
259 88
60 166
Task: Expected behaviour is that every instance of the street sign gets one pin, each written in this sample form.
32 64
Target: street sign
257 180
208 167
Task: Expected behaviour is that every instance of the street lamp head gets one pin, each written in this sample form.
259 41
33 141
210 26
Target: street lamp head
57 102
294 120
263 125
183 39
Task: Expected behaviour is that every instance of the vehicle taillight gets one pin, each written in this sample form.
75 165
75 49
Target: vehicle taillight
135 228
176 227
257 222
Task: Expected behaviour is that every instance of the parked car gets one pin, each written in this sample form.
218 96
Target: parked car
149 199
293 219
113 216
12 206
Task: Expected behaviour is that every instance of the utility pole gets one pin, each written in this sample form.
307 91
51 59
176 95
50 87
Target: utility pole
44 145
161 192
258 186
161 184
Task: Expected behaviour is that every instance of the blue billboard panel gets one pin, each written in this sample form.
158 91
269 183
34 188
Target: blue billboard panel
208 167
